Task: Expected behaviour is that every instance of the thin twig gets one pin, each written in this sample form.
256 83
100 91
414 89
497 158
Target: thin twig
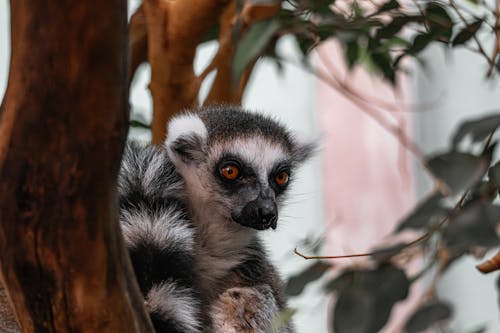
417 240
491 62
496 29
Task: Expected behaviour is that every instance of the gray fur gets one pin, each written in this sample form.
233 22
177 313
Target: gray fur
220 254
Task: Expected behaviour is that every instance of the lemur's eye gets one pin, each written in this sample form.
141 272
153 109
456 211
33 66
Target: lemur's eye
230 171
281 178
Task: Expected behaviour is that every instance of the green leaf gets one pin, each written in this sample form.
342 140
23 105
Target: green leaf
321 7
478 128
365 304
389 5
457 170
439 21
473 227
212 34
384 63
138 124
467 33
354 311
429 314
305 43
352 53
430 210
253 44
341 281
397 23
296 283
419 43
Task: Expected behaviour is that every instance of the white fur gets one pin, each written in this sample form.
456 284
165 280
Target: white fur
165 230
172 301
259 152
185 124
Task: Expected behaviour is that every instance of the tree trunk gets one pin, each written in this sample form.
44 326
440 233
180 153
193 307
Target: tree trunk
63 123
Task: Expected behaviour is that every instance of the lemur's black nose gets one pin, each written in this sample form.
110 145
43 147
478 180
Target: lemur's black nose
268 214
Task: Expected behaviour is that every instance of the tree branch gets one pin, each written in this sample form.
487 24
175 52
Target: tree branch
63 124
174 30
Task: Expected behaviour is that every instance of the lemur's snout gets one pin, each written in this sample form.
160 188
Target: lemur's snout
267 213
260 214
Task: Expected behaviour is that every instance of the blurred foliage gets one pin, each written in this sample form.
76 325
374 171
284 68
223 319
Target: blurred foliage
376 34
379 35
365 297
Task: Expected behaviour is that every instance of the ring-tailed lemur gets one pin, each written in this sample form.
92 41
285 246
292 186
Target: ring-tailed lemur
190 212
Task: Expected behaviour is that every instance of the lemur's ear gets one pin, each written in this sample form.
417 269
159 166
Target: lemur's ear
304 150
186 138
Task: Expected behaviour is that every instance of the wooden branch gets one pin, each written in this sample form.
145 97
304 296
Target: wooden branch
223 89
63 124
490 265
174 30
138 51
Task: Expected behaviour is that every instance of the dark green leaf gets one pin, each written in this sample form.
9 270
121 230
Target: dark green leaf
478 128
352 53
439 21
252 44
340 282
321 7
211 34
384 63
296 284
428 315
466 33
429 211
139 124
354 311
419 43
365 304
484 191
457 170
397 23
473 227
306 43
389 5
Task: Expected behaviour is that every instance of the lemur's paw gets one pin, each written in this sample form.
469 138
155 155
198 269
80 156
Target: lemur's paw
248 310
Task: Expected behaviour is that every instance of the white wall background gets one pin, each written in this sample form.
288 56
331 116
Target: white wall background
456 81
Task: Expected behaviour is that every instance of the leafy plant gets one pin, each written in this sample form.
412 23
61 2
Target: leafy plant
365 297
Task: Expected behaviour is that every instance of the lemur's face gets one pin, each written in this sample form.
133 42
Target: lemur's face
241 174
250 175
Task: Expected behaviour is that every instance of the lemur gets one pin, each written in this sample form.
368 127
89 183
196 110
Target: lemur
190 213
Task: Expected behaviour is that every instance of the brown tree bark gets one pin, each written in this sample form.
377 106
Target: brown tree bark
174 29
63 124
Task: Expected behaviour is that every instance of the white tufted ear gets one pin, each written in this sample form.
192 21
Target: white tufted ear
304 148
186 138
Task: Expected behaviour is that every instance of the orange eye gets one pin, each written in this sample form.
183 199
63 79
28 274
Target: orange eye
230 171
281 178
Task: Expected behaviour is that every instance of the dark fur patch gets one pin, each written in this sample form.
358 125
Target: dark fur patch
225 123
153 265
165 325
